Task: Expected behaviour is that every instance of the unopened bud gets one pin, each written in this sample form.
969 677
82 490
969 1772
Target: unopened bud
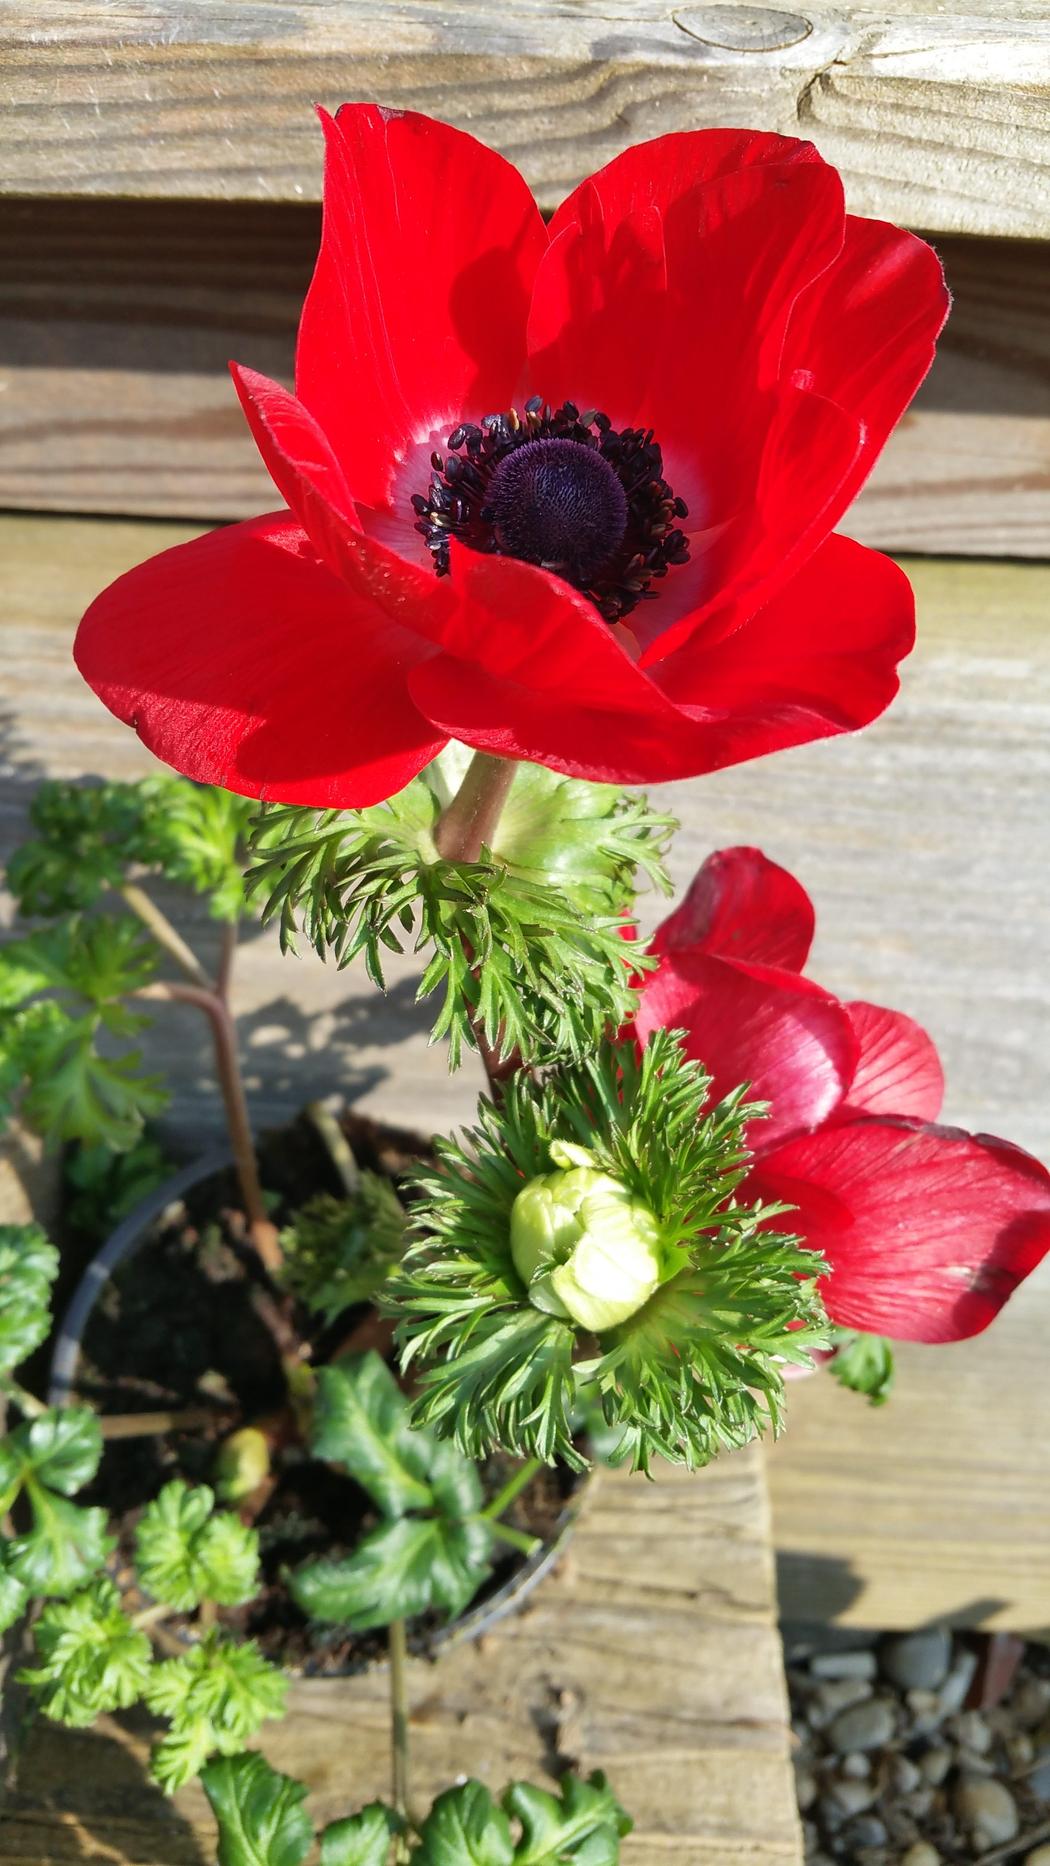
584 1245
241 1464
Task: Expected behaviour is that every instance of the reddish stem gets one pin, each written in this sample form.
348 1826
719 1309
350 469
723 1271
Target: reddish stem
262 1231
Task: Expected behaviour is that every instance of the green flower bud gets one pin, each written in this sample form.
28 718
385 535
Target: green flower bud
586 1248
241 1464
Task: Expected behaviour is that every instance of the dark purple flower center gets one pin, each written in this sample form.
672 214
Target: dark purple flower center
562 490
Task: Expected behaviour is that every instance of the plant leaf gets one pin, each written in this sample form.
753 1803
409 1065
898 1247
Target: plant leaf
465 1827
863 1363
92 1659
28 1267
361 1839
186 1551
399 1570
361 1421
584 1823
63 1549
262 1821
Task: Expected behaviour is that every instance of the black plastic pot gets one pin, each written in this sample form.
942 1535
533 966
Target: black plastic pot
132 1236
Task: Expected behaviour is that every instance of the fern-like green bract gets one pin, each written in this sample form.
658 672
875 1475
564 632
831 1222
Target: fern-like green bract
91 1658
527 944
699 1366
338 1252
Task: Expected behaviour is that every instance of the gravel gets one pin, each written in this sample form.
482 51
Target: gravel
907 1755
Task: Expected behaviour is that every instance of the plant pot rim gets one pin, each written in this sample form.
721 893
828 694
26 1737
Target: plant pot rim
130 1237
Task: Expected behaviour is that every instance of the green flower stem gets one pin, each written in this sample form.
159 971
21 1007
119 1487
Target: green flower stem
227 955
165 934
516 1538
399 1723
26 1402
338 1147
262 1231
514 1486
469 823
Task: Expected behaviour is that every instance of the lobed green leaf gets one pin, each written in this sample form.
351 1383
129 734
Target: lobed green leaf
186 1551
262 1821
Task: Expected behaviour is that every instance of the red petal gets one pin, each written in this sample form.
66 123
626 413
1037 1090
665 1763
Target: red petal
674 292
746 1023
742 906
927 1230
899 1071
240 661
416 314
300 462
820 659
865 331
531 671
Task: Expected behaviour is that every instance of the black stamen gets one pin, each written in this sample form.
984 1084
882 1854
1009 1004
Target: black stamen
560 489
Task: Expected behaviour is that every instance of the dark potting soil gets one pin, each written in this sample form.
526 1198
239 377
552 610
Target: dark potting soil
193 1321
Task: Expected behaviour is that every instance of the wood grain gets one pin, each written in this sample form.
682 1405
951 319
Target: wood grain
117 320
937 116
664 1673
925 843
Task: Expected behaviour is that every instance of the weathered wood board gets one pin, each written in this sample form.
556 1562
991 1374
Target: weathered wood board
937 115
117 320
652 1655
925 842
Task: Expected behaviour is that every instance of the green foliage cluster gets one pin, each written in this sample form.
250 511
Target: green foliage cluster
431 1546
527 943
48 1454
263 1822
699 1367
339 1251
93 1656
89 839
68 1036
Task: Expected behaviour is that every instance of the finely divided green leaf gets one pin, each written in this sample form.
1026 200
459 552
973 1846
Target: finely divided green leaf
864 1363
186 1551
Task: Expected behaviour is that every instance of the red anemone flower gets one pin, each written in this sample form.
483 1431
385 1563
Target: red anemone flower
926 1230
563 493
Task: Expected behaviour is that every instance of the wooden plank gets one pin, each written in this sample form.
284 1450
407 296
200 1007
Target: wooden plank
936 116
925 842
665 1674
117 320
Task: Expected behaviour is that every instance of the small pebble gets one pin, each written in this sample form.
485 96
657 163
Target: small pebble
921 1854
837 1695
863 1726
917 1661
1020 1749
867 1831
952 1693
935 1765
904 1774
1039 1857
987 1808
1039 1780
856 1765
805 1789
861 1664
1031 1701
918 1802
852 1797
970 1729
974 1764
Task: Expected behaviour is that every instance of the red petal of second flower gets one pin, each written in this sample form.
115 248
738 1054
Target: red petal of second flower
899 1071
242 662
742 906
927 1230
746 1023
416 314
